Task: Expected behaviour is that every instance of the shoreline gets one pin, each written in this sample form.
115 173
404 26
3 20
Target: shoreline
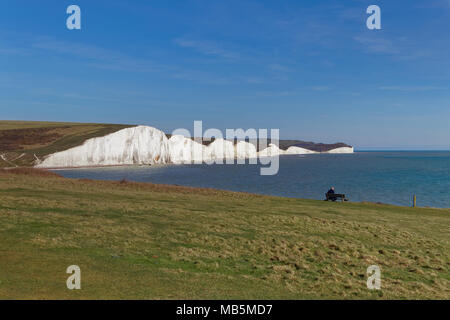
376 203
187 164
184 174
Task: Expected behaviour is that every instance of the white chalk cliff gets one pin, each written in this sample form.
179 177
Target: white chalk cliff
144 145
219 149
137 145
185 150
271 151
341 150
298 150
246 150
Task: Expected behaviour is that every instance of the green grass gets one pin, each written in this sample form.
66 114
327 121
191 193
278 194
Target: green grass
22 141
143 241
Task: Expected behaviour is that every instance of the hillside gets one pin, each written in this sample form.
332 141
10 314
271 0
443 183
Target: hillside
145 241
21 142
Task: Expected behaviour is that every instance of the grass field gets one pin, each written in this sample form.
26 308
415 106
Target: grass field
144 241
21 142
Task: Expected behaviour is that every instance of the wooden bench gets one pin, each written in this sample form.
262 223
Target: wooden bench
335 196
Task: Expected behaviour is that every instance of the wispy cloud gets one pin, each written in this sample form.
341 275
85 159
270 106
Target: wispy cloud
400 48
207 48
377 45
320 88
353 13
435 4
215 79
105 59
285 93
14 51
75 49
278 67
202 77
409 89
96 56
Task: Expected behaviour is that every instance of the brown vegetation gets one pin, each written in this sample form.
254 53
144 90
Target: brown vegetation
23 142
17 139
30 172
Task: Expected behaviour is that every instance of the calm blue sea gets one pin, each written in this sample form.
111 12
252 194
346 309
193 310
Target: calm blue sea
388 177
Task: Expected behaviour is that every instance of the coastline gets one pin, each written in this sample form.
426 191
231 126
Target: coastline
191 163
363 202
212 189
149 145
174 236
363 177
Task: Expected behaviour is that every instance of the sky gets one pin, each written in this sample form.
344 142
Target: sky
309 68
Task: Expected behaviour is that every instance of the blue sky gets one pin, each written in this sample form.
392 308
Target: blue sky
310 68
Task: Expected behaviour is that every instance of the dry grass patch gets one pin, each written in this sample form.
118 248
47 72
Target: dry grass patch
147 241
21 142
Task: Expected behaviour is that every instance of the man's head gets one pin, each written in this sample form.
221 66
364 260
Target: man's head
332 188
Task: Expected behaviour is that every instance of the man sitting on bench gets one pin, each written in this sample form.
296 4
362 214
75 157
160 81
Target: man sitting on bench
331 195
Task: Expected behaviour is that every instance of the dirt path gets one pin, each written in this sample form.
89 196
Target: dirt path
3 157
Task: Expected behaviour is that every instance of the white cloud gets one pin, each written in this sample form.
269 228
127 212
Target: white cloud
278 67
377 45
320 88
409 89
207 48
14 51
97 57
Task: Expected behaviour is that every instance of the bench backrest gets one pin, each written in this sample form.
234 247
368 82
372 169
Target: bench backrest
335 195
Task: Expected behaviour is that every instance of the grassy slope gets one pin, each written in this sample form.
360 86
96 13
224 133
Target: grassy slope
150 242
21 140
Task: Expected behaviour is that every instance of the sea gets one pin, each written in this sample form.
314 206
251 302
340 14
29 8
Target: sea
391 177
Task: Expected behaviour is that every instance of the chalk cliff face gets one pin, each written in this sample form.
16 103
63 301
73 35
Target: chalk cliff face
298 150
219 149
246 150
137 145
341 150
144 145
184 150
273 150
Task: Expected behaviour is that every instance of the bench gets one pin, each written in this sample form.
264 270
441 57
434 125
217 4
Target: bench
335 196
